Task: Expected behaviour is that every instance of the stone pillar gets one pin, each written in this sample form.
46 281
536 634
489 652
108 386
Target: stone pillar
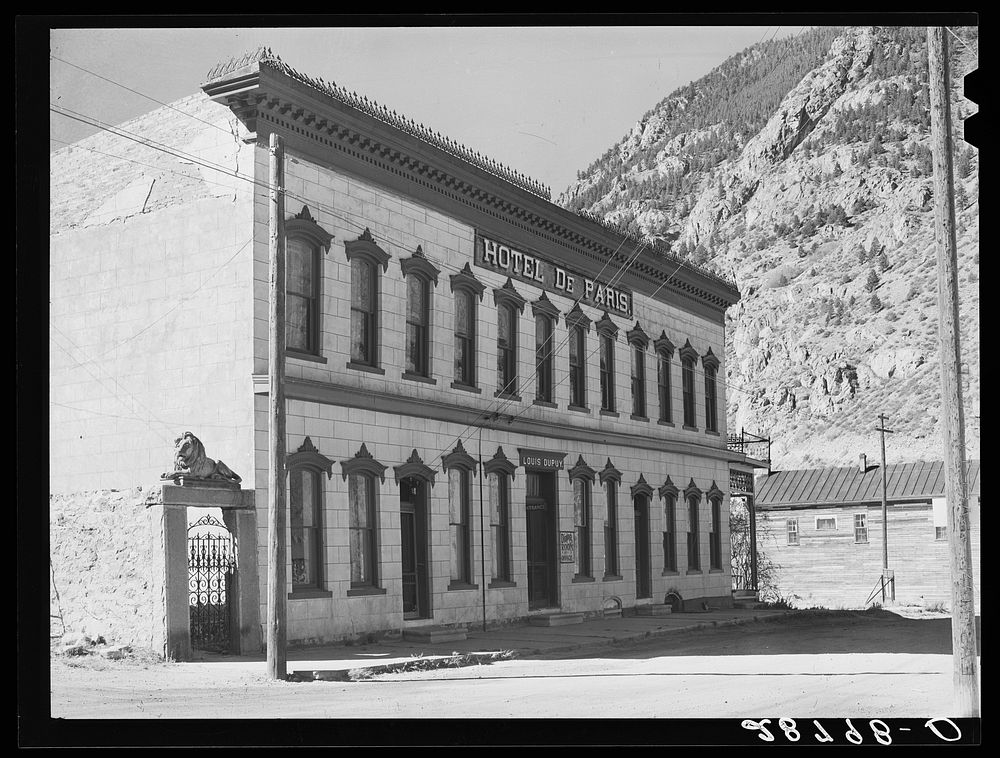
172 622
246 618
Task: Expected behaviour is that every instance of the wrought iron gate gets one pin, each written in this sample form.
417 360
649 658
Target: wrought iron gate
211 575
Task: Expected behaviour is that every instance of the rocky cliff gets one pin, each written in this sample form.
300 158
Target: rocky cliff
822 211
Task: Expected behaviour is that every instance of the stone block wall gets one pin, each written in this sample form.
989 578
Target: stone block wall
101 566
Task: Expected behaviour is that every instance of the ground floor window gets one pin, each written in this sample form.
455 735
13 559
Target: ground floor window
860 527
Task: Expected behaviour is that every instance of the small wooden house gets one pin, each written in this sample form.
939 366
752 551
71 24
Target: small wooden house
821 532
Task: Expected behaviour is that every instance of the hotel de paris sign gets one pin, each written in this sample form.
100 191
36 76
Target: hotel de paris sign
528 267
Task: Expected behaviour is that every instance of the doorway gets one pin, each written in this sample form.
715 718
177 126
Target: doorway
642 580
540 512
413 540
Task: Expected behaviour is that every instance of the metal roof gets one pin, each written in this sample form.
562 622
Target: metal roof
834 486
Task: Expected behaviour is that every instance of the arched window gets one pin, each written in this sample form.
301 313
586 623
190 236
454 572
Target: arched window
499 472
420 274
546 316
638 341
579 325
305 469
611 478
664 354
607 330
668 493
715 496
711 364
509 305
366 258
688 357
467 290
692 496
582 477
460 467
305 241
363 474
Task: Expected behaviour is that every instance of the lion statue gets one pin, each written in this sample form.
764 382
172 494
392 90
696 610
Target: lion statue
190 461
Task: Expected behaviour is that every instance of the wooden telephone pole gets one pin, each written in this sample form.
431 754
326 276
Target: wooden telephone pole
887 577
963 616
277 633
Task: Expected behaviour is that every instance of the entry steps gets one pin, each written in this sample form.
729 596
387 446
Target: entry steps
556 619
435 634
653 610
745 599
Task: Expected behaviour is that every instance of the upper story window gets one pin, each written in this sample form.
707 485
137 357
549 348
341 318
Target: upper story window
305 241
366 259
579 326
582 477
363 473
607 332
664 354
792 531
861 527
546 316
305 468
711 364
468 291
510 305
638 341
420 275
688 358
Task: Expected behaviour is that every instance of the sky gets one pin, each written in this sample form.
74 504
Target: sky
544 100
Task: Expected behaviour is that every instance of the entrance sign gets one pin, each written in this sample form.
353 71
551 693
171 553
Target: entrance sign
530 268
541 459
567 547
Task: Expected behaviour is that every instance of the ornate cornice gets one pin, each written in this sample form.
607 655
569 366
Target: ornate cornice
636 336
499 464
307 456
416 468
710 360
714 493
418 264
459 458
465 279
362 463
507 294
642 487
692 490
544 307
668 489
687 352
663 345
304 225
576 317
582 471
366 246
606 327
610 473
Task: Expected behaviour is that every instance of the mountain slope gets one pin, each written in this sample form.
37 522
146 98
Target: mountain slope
822 210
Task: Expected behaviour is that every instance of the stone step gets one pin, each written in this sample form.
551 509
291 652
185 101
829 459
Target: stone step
556 619
432 634
653 610
612 613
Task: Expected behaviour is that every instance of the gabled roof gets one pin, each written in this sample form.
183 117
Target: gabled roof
848 485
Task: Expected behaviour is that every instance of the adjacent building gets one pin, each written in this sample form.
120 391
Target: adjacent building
496 408
821 530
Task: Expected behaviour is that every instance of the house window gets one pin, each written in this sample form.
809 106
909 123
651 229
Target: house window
364 311
663 385
506 350
577 371
711 419
670 533
694 555
499 494
611 529
467 289
304 242
715 537
792 531
581 520
543 357
861 527
305 499
826 523
939 515
417 325
940 532
302 296
363 530
459 486
638 381
687 379
607 372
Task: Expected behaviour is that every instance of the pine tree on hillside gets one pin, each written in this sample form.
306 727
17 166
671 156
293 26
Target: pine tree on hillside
872 282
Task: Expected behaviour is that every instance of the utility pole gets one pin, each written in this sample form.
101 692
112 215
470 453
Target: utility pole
887 577
277 633
963 616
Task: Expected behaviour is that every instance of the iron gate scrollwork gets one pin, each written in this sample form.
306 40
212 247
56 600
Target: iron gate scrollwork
211 575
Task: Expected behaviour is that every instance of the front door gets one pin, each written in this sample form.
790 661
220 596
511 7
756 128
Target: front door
642 582
540 509
413 542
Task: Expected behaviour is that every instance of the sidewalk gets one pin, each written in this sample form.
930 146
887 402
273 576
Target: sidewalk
523 641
